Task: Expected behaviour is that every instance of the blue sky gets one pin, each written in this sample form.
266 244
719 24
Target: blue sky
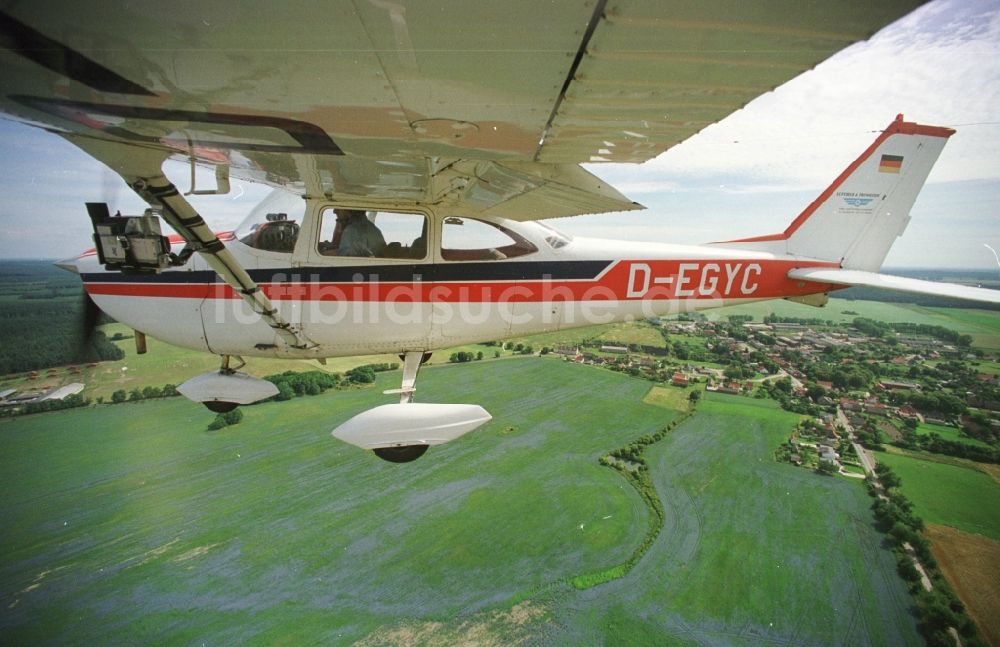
750 174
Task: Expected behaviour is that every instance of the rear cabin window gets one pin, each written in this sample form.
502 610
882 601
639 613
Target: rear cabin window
468 239
374 234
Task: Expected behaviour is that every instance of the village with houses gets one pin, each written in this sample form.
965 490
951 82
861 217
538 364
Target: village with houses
862 383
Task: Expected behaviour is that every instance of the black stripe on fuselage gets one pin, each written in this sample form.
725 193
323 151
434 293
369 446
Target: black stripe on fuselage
433 273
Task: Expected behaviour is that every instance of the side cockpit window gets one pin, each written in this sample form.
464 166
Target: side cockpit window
374 234
468 239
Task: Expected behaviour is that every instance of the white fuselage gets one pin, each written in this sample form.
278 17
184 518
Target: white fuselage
357 305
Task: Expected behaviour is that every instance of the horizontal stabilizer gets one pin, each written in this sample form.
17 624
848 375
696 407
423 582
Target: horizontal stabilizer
896 283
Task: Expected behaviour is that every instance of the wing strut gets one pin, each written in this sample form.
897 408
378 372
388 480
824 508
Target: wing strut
141 168
180 215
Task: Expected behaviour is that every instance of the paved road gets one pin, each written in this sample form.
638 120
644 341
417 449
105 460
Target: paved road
867 462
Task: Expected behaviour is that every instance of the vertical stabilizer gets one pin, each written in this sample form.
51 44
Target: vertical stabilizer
857 219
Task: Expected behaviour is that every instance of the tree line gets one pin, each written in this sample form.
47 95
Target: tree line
939 608
933 442
880 329
77 400
292 384
41 334
640 479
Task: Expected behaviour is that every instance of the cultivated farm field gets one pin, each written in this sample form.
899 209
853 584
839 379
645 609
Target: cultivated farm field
981 325
752 551
132 523
949 495
972 565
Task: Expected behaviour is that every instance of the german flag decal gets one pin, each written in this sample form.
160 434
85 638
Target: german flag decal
890 164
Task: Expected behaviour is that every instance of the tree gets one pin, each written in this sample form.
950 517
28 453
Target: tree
904 564
889 478
285 392
119 396
694 396
734 371
361 375
233 417
826 467
226 419
815 391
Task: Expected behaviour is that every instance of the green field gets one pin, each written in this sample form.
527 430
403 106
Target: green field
132 524
639 332
670 397
982 325
949 495
949 433
753 551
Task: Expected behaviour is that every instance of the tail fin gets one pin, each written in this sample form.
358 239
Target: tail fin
857 219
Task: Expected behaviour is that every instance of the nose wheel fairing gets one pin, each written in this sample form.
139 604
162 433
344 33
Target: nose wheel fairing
223 390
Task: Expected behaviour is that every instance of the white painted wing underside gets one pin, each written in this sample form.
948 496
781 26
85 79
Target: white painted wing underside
896 283
382 100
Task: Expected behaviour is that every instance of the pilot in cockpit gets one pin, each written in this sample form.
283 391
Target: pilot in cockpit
355 235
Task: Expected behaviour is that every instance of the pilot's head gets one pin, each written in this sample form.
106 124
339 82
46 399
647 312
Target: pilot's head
345 216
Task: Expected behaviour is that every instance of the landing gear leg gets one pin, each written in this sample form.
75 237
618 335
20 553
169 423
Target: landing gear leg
226 369
411 365
221 406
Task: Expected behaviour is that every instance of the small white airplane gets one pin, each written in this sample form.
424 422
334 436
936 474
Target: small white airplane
415 151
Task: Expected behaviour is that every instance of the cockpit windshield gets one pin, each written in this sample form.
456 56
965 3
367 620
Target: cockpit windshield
273 225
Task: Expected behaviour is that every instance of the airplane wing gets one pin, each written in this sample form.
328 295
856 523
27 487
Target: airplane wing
859 278
488 104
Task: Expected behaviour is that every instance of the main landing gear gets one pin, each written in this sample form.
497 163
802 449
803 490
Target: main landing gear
400 433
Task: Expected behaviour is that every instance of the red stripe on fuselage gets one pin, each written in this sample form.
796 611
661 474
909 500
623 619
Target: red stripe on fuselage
626 280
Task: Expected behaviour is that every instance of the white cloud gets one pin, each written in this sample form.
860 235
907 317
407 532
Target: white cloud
753 172
940 65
